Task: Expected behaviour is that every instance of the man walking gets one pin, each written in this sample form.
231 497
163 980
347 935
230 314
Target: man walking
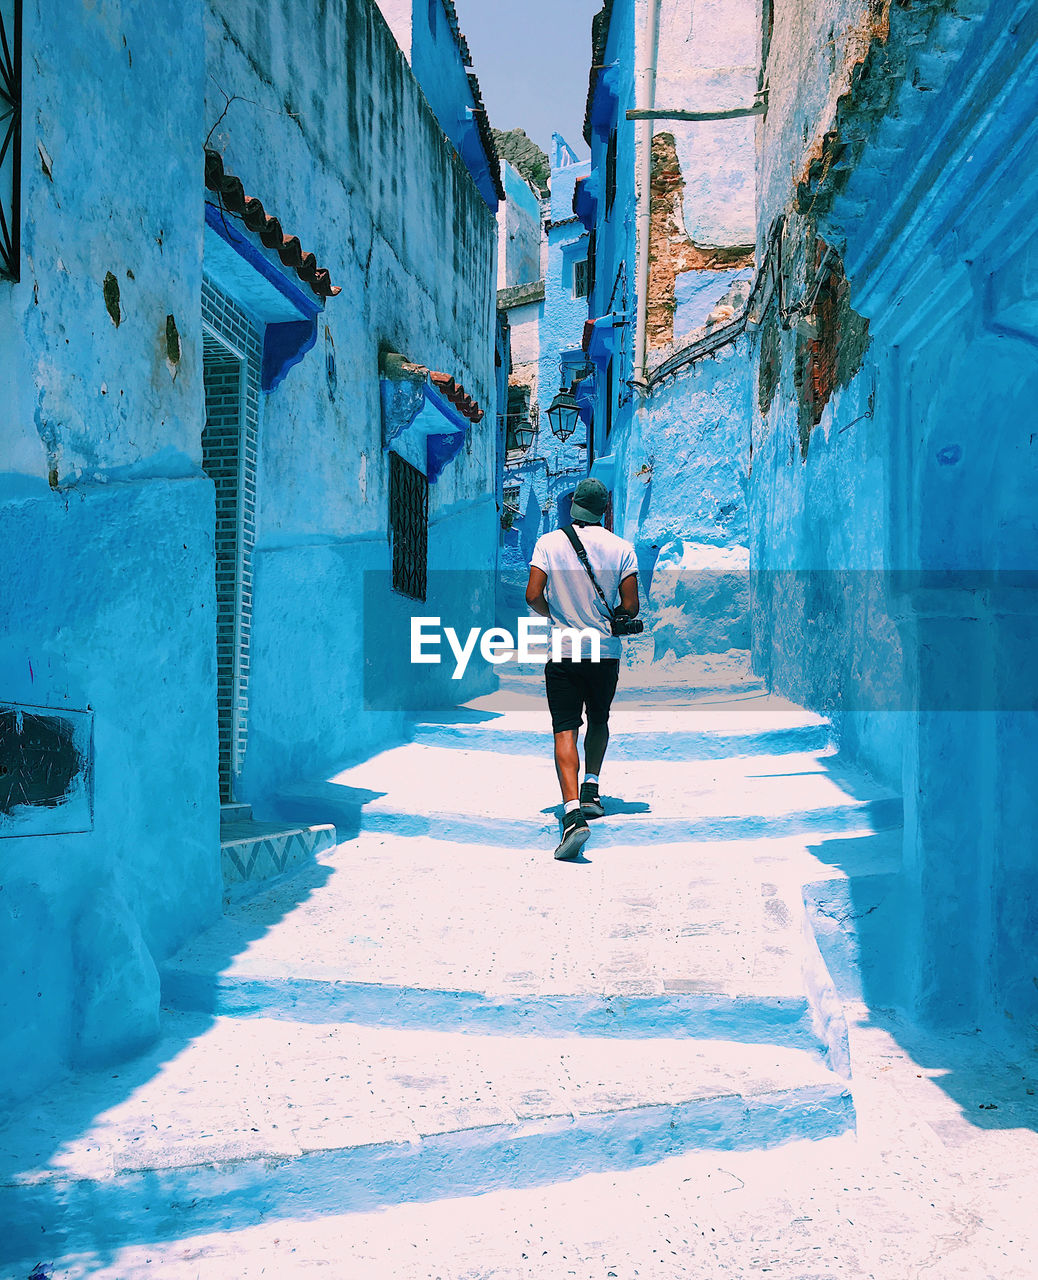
562 589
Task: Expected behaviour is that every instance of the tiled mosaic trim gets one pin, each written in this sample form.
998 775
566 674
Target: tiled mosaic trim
262 857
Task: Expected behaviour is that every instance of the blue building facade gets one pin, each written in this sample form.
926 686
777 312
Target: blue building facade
895 362
251 370
547 326
848 404
431 39
669 205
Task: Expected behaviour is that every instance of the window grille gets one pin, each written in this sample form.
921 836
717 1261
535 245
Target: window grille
581 279
232 352
10 137
610 173
510 499
409 525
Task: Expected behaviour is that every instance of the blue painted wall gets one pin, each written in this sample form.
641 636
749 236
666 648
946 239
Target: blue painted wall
519 231
109 597
425 31
406 233
615 238
551 469
110 601
920 461
676 452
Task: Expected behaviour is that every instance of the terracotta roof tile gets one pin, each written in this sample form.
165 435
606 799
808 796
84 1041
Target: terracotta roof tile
255 217
456 394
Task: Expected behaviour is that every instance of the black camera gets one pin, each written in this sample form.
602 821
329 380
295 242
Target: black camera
622 625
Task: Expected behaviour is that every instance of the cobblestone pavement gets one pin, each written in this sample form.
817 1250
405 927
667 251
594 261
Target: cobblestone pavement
438 1053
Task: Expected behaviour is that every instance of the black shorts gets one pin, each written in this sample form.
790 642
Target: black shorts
571 686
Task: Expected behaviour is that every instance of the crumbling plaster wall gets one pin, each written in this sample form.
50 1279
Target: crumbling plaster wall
683 476
821 466
810 53
703 173
108 586
925 184
679 267
707 61
366 178
681 462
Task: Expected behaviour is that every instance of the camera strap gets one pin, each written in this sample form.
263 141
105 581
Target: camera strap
578 547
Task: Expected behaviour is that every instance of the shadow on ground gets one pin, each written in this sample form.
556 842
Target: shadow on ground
862 924
38 1213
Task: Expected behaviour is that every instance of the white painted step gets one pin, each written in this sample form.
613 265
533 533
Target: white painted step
422 782
234 1088
252 852
422 914
709 725
263 1118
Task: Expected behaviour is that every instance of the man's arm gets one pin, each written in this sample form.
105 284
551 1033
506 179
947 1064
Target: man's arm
629 601
535 591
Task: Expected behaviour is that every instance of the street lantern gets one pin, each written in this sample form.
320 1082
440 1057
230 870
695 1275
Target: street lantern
522 434
563 414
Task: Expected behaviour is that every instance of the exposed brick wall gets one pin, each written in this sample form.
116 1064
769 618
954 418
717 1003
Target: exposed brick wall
232 350
671 249
830 347
826 338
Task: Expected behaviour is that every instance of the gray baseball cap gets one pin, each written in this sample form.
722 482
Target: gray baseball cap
590 500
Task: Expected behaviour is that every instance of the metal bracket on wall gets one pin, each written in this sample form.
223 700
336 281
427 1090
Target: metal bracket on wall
733 113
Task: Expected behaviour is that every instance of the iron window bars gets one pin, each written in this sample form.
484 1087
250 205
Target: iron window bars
10 137
409 524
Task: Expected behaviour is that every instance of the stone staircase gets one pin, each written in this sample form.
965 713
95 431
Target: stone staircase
254 852
436 1009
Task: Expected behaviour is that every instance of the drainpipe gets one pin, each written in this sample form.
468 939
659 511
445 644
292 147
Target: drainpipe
645 99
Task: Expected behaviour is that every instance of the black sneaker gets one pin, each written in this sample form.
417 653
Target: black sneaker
575 832
591 801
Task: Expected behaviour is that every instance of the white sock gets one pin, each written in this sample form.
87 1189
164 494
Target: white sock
591 777
571 805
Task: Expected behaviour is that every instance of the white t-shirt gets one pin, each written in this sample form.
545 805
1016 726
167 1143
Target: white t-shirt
571 596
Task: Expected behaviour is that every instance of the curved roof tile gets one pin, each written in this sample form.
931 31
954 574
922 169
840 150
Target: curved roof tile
456 394
255 217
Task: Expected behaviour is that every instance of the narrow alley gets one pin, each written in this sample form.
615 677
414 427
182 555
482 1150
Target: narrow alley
435 1053
394 391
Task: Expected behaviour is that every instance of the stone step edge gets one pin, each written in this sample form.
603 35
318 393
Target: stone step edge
280 833
488 729
252 864
631 830
690 745
785 1020
162 1204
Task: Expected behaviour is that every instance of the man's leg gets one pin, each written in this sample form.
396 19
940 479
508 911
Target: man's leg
566 704
600 689
595 742
567 763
